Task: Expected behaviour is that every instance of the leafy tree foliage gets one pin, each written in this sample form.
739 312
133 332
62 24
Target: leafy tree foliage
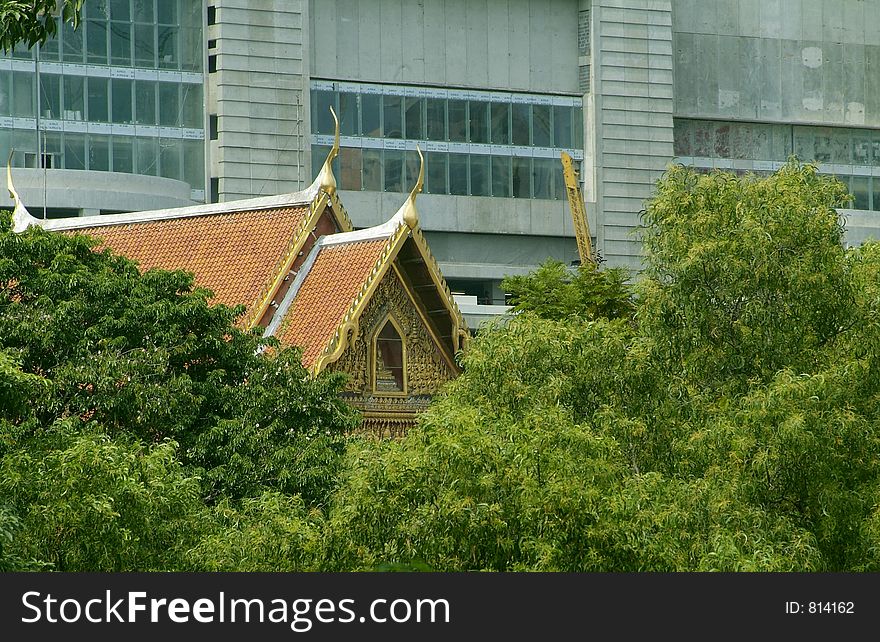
32 21
732 426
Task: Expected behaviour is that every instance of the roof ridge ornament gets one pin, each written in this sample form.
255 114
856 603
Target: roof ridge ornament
326 181
410 213
21 218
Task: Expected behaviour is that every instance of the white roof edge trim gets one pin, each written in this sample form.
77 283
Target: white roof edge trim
287 301
303 197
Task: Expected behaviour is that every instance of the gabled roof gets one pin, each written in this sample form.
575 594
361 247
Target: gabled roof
322 308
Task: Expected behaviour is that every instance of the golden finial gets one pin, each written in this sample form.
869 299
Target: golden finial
326 180
410 213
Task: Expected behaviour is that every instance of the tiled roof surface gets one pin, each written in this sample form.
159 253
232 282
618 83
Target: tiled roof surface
326 294
234 255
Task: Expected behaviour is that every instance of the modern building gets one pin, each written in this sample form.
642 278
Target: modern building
492 90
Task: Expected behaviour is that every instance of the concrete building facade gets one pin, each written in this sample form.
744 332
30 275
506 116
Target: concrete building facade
493 91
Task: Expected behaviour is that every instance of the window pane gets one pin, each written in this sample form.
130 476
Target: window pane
435 109
458 178
436 173
392 110
167 47
98 99
74 97
393 170
50 49
122 154
167 11
479 122
860 192
169 106
96 9
500 123
370 124
5 93
372 159
147 156
145 102
99 153
120 43
72 40
22 94
522 169
543 172
96 41
74 151
143 10
411 170
875 184
319 154
145 45
50 96
861 150
457 120
322 119
681 138
541 125
520 124
194 163
479 175
121 100
389 360
501 176
193 106
120 10
169 158
190 49
350 168
578 128
562 126
348 114
414 110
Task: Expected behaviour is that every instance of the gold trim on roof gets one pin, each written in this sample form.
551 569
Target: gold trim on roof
410 213
326 180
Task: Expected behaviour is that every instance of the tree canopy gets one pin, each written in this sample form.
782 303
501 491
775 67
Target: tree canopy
33 21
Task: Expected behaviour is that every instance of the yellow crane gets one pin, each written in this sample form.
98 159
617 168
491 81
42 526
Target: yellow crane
578 211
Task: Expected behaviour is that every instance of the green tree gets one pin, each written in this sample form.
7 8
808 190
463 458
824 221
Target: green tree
33 21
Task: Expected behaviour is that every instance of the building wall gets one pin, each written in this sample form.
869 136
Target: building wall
257 97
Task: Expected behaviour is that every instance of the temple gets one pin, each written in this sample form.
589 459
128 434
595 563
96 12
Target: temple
371 303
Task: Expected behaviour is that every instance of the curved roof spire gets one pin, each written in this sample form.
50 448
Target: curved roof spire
21 218
325 179
410 213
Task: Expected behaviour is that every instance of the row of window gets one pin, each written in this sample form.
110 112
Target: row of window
101 100
448 119
123 43
182 160
445 173
766 142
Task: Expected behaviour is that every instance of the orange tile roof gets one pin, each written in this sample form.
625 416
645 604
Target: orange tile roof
326 294
233 254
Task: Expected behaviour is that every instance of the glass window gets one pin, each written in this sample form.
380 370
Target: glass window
389 360
479 175
578 127
875 189
193 106
562 126
541 126
145 102
50 95
144 10
722 141
74 151
520 123
392 112
322 119
370 119
167 47
411 170
435 117
169 105
96 41
458 174
96 9
861 149
147 156
435 171
74 97
500 113
861 193
122 154
479 121
415 108
121 88
99 153
72 43
458 123
190 49
98 99
120 10
50 50
393 163
5 93
372 159
145 45
822 148
350 168
23 94
167 11
543 172
348 114
194 163
841 147
120 43
169 158
681 138
522 170
501 176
